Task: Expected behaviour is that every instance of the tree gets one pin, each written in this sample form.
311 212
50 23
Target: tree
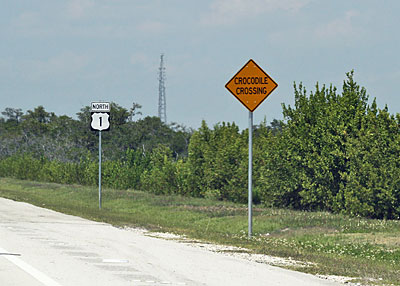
372 184
118 115
35 122
13 114
134 111
39 114
215 162
305 168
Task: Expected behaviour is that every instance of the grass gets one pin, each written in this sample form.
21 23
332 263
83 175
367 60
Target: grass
366 249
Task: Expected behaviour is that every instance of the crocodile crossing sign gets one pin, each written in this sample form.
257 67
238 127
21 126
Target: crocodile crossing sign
251 85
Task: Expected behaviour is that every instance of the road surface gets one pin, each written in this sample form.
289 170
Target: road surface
39 247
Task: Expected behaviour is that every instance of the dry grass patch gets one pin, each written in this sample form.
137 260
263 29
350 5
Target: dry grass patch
391 240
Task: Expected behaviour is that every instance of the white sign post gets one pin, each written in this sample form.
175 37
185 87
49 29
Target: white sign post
100 122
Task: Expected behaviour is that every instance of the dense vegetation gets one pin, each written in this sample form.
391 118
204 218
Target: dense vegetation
333 151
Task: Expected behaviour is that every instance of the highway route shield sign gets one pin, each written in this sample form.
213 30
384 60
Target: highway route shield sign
251 85
100 121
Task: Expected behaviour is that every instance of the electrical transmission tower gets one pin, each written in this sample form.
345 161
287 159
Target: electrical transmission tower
162 104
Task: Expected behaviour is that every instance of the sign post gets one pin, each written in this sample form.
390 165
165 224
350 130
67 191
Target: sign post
100 169
100 121
251 86
250 179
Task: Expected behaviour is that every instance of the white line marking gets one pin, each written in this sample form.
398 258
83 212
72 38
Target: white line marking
47 281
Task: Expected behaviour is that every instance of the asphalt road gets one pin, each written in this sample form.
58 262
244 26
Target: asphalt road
43 247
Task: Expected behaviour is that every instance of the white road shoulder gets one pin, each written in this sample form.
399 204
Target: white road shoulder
54 249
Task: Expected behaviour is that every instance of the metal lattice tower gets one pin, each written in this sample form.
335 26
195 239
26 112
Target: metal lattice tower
162 104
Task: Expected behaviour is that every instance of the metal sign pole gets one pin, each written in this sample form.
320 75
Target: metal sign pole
100 169
250 173
249 78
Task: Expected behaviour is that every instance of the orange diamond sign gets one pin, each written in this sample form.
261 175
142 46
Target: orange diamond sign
251 85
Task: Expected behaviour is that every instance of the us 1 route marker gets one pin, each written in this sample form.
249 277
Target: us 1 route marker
251 86
100 121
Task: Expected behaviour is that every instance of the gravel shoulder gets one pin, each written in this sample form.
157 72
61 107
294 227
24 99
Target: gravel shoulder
74 251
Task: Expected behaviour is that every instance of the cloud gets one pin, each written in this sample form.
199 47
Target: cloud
78 8
28 24
226 12
151 27
27 19
342 27
64 64
138 58
141 60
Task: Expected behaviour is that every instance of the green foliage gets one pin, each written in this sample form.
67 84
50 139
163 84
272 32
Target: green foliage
22 166
333 152
216 161
121 174
162 177
372 183
198 147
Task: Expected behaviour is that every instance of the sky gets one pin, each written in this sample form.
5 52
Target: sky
65 54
